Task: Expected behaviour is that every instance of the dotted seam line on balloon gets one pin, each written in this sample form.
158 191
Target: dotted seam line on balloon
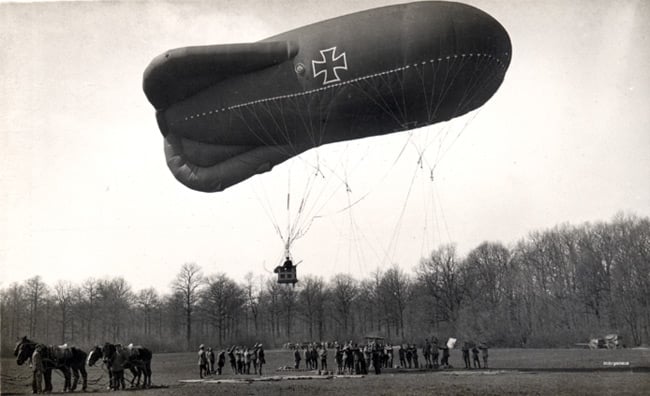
311 91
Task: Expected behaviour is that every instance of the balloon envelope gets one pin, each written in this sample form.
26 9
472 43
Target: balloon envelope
228 112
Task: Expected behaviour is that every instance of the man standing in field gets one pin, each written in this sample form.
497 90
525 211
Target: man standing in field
37 367
221 360
465 349
445 356
211 360
323 357
297 358
203 361
484 352
476 361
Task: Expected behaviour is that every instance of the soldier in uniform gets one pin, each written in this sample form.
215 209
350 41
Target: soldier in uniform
415 356
221 360
203 361
445 356
117 367
297 358
465 349
323 357
211 360
37 367
484 352
476 361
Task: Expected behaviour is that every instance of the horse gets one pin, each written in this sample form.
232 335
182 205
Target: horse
93 356
61 358
135 357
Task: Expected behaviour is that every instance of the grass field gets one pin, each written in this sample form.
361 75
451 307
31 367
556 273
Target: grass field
512 371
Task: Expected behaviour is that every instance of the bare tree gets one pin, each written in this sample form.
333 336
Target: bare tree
147 300
187 284
252 300
440 277
63 294
36 292
311 300
221 300
344 292
395 289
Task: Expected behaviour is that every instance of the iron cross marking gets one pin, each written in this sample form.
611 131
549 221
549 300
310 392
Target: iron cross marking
329 65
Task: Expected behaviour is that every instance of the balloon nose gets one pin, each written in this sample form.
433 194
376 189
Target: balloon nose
162 123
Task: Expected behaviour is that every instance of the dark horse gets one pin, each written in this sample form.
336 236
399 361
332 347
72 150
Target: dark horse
135 357
62 358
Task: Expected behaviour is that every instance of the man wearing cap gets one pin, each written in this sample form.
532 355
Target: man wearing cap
203 361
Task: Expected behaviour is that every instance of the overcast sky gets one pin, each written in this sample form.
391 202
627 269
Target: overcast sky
85 190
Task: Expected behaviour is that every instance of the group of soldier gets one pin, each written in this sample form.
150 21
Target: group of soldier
475 349
240 357
352 358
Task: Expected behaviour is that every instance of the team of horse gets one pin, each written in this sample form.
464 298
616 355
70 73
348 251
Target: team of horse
55 357
116 358
71 361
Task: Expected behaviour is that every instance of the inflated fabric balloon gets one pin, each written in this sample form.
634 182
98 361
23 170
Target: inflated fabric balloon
228 112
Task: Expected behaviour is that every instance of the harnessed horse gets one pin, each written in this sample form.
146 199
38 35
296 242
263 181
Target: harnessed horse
136 358
62 358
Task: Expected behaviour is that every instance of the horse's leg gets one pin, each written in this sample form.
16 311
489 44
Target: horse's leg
110 378
149 374
66 375
47 375
84 376
75 374
135 374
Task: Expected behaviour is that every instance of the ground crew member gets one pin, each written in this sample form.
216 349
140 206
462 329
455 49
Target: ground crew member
477 362
484 352
297 358
37 367
465 349
211 360
203 361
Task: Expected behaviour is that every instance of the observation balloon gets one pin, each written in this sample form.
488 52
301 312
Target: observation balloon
228 112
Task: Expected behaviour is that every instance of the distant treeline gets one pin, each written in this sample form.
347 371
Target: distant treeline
553 288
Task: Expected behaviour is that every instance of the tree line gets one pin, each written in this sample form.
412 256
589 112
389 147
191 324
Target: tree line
552 288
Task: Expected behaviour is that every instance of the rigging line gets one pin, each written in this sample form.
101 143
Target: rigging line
270 142
400 110
442 214
322 126
477 83
485 82
395 236
281 125
430 110
295 229
266 138
379 101
404 106
446 87
305 120
464 127
354 240
479 71
399 155
425 235
269 213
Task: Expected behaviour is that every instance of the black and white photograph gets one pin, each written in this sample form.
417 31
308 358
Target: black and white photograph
304 197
